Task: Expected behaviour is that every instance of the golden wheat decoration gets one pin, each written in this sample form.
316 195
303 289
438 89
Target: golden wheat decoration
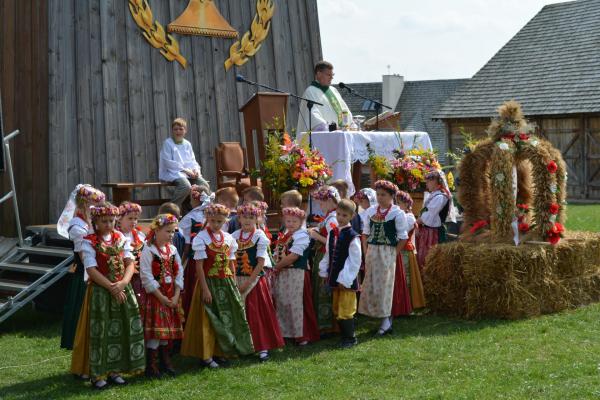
241 50
154 32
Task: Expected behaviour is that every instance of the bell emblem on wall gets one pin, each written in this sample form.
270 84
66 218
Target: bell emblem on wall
201 17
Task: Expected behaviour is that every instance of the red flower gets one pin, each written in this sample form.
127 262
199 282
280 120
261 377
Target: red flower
510 136
524 207
478 225
554 239
554 208
521 218
552 167
557 228
523 136
523 227
555 233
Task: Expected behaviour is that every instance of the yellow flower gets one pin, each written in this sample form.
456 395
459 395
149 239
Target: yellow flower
450 179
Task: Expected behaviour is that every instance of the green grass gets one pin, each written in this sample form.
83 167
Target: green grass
427 357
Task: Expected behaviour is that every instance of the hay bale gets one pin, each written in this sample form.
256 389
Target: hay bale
475 280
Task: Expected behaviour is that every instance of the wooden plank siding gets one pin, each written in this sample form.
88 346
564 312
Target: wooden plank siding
112 96
576 135
24 87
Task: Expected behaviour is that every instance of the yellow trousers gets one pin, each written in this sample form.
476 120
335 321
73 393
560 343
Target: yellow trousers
344 303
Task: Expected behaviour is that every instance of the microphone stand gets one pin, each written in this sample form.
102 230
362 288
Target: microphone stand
378 104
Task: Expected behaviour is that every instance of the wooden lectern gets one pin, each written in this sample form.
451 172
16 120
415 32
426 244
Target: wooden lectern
264 111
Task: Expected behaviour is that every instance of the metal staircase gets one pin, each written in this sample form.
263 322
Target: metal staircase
27 271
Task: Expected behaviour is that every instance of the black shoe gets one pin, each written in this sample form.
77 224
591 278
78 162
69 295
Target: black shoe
347 331
264 359
223 362
212 364
382 333
348 343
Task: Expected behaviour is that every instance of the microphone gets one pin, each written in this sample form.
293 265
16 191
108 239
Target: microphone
342 85
240 78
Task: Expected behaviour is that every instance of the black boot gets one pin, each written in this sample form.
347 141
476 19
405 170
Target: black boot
347 331
152 369
165 361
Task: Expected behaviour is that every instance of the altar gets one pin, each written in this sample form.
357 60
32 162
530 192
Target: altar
342 149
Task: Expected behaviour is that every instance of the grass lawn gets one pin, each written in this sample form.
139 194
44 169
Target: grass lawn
427 357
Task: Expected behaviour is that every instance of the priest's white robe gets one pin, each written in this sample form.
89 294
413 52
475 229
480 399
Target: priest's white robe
322 116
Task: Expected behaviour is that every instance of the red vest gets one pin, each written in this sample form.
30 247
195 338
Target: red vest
109 256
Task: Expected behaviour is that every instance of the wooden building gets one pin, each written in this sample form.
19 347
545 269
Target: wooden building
552 67
94 100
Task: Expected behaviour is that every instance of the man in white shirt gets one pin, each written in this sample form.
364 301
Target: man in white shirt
178 163
321 91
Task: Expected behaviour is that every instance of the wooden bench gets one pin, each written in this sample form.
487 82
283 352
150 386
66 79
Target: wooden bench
124 192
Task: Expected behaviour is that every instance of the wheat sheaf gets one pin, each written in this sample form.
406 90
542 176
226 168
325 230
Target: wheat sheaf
240 51
154 32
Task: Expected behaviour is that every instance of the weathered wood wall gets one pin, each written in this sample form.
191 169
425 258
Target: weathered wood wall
577 136
112 96
24 87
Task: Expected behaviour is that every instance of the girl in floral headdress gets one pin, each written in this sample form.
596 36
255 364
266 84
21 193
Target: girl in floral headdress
191 224
385 233
217 322
409 254
162 277
129 214
327 198
292 288
252 256
74 224
116 333
432 229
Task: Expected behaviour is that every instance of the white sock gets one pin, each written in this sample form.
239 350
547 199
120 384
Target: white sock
118 379
100 383
386 324
211 363
263 354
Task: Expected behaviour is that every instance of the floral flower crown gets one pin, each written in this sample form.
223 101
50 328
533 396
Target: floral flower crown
387 186
249 210
325 193
104 210
128 207
293 212
213 210
91 194
404 197
162 220
366 194
434 176
261 205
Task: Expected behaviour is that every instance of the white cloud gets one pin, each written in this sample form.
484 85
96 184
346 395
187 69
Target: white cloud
426 39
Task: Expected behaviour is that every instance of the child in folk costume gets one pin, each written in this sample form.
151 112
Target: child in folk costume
342 187
252 255
433 216
340 267
228 197
129 214
327 198
75 224
217 322
364 199
409 254
162 276
178 239
385 233
116 333
191 224
291 288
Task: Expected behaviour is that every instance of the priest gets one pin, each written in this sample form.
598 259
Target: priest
321 91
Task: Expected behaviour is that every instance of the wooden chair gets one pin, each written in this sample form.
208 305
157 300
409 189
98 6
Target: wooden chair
232 170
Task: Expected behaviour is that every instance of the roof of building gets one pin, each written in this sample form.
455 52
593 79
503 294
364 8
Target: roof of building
551 66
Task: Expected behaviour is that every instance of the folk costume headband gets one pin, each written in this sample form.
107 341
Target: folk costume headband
293 212
387 186
405 198
216 209
249 210
325 193
104 210
128 208
162 220
83 191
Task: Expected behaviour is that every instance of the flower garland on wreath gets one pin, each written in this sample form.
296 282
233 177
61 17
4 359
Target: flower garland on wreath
510 156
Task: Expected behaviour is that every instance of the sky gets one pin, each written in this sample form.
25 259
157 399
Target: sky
418 39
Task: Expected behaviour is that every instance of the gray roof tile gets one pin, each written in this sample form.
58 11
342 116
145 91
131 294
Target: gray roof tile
551 66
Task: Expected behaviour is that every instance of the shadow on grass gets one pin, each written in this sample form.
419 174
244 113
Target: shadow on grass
62 386
31 323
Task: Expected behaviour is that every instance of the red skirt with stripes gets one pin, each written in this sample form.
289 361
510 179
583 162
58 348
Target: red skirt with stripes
262 320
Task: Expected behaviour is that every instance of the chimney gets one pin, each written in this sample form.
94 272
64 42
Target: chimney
392 89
